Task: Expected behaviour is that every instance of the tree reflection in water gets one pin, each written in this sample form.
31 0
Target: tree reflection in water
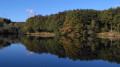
82 48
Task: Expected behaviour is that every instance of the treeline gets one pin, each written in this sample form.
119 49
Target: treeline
75 22
9 27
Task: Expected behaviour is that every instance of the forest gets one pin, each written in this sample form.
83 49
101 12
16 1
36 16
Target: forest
75 22
79 22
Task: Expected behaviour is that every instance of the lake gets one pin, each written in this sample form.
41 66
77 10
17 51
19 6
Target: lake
23 51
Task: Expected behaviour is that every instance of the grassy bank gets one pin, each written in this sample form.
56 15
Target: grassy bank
109 35
41 34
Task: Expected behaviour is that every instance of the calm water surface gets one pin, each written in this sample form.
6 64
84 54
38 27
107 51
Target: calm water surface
59 52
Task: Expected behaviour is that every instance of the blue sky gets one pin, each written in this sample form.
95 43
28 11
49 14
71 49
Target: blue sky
19 10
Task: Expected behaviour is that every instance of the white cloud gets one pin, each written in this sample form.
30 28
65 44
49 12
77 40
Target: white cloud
30 12
29 53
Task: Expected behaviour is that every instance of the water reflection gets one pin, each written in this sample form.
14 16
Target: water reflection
82 48
7 40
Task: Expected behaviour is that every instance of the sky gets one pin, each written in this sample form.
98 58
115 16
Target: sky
20 10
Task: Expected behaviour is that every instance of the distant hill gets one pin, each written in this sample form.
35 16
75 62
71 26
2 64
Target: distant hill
9 27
